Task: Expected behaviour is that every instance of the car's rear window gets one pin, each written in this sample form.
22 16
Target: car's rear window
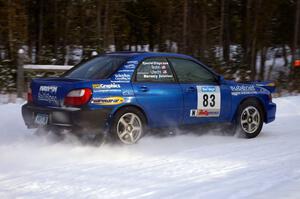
100 67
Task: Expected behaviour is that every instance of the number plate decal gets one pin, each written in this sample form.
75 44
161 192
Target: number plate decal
208 102
41 119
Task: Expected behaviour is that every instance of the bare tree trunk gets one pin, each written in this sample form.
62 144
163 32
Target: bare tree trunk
204 29
296 32
20 73
222 27
82 30
272 66
286 61
40 29
106 25
247 33
224 35
161 44
99 25
67 55
10 30
244 25
296 50
55 29
66 34
254 41
263 53
185 25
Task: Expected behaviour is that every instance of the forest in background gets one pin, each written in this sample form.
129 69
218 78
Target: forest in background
235 37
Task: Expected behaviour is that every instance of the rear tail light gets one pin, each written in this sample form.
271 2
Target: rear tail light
29 95
78 97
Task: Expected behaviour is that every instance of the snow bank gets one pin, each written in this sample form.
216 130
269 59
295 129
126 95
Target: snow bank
185 166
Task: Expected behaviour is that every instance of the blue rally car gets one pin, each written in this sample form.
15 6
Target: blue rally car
125 93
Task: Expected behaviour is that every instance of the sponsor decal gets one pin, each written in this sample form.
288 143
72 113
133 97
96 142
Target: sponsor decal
204 113
51 89
106 90
157 76
165 76
150 76
120 81
122 77
48 94
108 100
129 66
106 86
208 89
132 62
127 92
243 89
155 70
126 71
156 64
271 84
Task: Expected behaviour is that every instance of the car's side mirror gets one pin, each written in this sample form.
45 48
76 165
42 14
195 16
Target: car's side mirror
221 79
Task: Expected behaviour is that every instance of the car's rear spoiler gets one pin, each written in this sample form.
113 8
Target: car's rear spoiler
269 85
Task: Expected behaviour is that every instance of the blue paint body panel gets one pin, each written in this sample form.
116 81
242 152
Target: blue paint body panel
164 104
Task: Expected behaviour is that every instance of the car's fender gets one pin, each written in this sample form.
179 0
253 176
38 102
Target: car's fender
243 92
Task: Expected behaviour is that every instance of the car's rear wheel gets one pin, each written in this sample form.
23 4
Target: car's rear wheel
249 121
128 126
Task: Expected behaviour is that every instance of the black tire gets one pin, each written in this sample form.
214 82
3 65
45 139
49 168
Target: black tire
117 126
249 119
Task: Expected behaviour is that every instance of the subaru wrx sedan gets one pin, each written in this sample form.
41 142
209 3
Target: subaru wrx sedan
126 93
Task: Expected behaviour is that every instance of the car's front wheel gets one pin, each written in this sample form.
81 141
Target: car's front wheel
249 119
128 125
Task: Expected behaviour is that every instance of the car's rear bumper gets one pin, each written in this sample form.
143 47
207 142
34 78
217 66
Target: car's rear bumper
270 112
67 117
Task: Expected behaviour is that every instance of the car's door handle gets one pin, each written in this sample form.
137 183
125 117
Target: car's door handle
190 89
144 88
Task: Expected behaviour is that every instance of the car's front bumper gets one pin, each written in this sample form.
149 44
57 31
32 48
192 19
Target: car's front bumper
270 112
67 117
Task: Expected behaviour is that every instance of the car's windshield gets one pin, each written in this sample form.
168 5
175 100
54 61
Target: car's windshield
100 67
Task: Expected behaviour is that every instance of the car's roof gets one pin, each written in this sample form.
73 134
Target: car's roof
148 54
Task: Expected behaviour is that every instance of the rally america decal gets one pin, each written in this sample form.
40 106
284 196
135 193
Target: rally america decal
208 102
108 100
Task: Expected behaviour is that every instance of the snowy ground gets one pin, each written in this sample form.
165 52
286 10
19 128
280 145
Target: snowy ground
186 166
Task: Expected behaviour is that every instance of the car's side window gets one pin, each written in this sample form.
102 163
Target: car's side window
154 70
188 71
